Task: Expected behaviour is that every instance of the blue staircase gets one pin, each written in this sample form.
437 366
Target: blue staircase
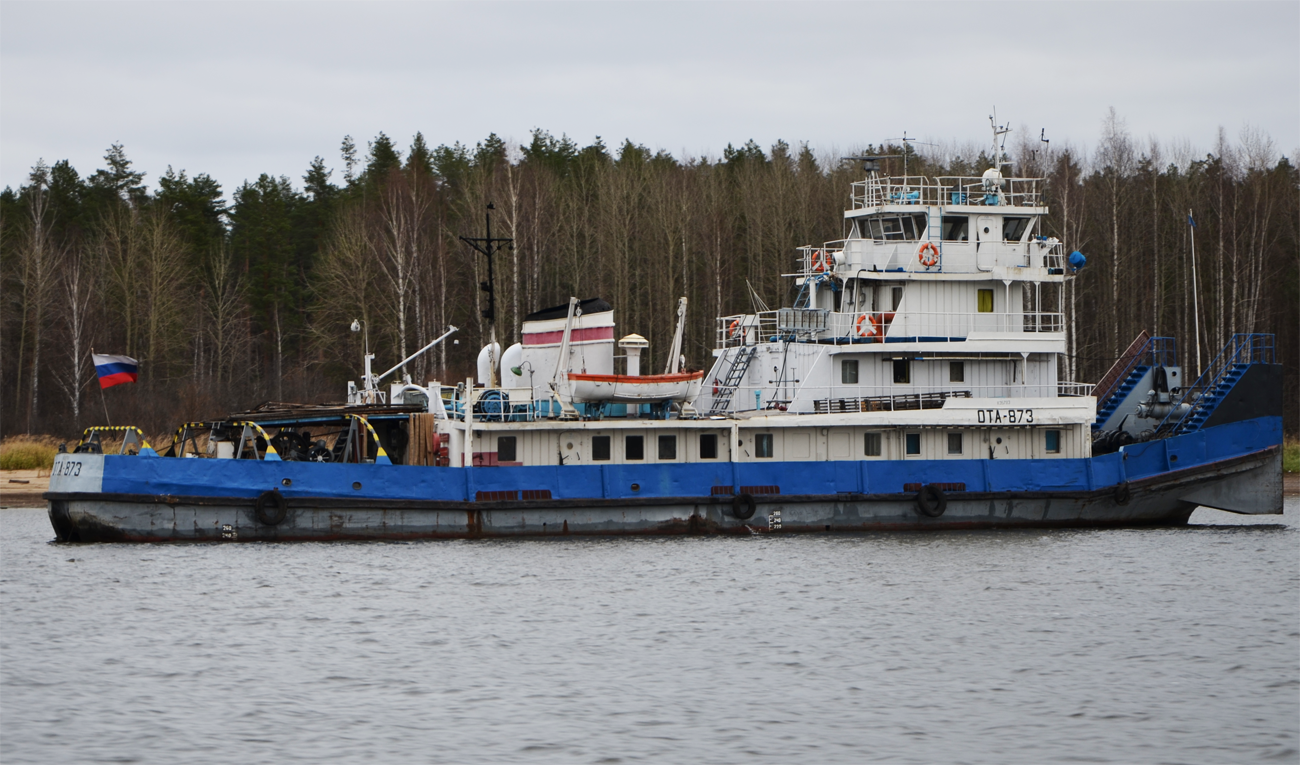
1204 406
1117 396
1205 395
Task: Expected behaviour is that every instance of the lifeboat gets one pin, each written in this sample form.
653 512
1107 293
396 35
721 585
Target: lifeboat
636 389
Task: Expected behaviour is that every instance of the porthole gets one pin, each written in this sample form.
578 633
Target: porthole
286 482
356 486
569 445
636 487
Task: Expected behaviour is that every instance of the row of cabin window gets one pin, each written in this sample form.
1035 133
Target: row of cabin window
909 228
902 371
871 446
634 446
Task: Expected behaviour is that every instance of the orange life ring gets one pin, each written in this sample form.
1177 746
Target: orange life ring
869 330
932 259
821 262
734 329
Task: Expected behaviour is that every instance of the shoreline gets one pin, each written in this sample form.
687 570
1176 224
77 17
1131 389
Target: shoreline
23 488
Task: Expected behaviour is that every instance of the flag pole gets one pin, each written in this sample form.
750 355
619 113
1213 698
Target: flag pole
107 420
1196 295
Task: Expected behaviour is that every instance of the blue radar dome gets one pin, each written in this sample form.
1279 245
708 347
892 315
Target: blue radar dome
1077 260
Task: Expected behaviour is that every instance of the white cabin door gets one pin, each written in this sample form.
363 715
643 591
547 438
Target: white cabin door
572 446
988 235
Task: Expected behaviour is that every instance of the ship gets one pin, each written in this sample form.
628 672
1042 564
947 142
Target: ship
913 385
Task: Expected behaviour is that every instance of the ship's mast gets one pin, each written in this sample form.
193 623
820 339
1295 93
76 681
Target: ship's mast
999 146
489 246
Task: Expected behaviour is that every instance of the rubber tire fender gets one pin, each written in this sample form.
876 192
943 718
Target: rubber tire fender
1123 494
743 506
271 507
931 501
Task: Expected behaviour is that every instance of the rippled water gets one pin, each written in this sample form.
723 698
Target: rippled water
1173 645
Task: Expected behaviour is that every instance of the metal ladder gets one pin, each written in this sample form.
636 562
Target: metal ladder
934 231
722 400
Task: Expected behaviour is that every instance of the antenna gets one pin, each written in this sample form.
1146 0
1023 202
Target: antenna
869 161
907 141
1043 139
999 150
489 246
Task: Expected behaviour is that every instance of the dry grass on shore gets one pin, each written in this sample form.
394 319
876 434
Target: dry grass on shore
28 452
1291 455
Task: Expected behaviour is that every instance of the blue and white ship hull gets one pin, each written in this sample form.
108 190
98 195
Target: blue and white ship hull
97 498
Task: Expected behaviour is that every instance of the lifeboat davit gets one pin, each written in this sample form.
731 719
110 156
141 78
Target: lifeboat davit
636 389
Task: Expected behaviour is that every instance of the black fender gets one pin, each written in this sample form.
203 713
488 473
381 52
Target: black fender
271 507
743 506
931 501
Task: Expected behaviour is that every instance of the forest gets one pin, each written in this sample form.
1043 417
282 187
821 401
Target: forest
231 301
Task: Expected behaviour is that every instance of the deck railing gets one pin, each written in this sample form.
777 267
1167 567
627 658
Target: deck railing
877 327
879 191
806 399
1074 389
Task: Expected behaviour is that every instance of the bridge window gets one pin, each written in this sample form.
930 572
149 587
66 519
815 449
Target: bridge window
871 444
913 444
600 448
956 228
667 447
634 448
1053 439
956 371
1013 228
893 228
849 372
763 445
985 299
505 448
708 446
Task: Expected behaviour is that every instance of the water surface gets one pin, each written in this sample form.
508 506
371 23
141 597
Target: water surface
1112 646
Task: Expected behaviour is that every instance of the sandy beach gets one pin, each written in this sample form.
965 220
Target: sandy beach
23 488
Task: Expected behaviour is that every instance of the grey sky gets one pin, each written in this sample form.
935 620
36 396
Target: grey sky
238 89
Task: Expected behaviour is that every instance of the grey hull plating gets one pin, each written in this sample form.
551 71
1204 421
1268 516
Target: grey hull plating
1249 484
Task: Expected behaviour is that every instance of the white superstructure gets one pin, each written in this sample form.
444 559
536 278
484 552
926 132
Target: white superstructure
942 287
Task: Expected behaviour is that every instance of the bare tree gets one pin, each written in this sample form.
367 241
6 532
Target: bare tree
39 267
75 309
1115 155
163 282
226 313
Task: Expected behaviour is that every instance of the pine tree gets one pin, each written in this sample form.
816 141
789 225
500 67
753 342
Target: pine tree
419 158
382 159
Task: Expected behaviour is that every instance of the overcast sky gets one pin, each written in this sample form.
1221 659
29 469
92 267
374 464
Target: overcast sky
238 89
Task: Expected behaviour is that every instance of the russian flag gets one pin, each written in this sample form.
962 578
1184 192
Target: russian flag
115 370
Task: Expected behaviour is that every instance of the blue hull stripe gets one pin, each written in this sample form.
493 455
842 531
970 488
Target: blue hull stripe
248 478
